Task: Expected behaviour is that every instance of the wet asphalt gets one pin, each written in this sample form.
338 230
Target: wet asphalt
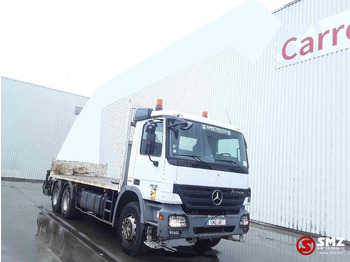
30 231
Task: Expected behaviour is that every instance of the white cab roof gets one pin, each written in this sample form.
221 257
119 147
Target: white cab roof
195 118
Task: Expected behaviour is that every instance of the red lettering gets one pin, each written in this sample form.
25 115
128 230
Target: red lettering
348 32
284 53
320 39
335 34
309 45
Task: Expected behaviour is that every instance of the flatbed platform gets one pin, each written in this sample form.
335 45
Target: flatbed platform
99 181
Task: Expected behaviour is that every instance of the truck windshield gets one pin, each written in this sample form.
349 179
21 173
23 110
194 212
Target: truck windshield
207 146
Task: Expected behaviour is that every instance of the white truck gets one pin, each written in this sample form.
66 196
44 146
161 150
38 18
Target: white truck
185 177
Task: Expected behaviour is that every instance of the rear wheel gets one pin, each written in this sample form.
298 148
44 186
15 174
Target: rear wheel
56 198
68 204
131 232
207 243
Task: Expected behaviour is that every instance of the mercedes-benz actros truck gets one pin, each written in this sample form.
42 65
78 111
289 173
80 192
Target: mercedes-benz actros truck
184 177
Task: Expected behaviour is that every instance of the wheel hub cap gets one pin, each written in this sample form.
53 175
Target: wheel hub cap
129 228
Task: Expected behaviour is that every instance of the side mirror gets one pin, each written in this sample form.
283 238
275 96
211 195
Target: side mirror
150 141
186 126
150 138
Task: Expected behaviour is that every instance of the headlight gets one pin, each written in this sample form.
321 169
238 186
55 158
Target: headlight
177 222
244 221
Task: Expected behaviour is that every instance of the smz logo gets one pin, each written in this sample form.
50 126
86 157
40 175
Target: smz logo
306 245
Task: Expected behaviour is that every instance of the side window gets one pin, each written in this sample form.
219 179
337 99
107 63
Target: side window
158 142
229 146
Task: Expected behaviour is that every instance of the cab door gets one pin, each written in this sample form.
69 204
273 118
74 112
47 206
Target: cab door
148 175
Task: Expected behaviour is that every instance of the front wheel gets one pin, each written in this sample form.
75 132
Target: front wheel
207 243
131 231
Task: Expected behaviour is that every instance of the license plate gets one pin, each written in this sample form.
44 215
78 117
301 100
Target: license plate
216 222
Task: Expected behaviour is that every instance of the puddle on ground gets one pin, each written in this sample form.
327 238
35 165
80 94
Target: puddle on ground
62 243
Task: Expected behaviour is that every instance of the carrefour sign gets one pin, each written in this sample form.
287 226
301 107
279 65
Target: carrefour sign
321 38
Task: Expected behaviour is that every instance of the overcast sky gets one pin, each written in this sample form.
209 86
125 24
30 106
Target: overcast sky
76 46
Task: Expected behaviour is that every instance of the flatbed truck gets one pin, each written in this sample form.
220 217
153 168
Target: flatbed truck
185 177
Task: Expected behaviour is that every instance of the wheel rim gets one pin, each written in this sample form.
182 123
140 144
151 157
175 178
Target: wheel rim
129 228
65 201
55 196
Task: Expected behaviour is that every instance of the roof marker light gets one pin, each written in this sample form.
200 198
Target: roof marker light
159 105
205 114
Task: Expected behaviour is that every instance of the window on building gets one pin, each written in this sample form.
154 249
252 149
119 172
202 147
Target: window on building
78 110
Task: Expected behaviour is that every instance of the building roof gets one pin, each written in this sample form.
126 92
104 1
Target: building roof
286 5
49 88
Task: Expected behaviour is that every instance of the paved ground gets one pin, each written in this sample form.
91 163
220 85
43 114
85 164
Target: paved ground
31 232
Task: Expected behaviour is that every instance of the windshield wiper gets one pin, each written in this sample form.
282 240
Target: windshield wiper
196 157
234 163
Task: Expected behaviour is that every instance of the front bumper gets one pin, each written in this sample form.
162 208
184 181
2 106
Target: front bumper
197 224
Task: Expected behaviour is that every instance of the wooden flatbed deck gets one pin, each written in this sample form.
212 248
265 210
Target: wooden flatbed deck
99 181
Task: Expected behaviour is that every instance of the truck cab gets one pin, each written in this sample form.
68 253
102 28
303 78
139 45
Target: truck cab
192 174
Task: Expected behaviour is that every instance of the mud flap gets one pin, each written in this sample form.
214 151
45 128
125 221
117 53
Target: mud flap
47 185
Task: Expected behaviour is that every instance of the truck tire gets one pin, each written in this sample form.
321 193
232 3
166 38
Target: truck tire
68 203
131 231
56 198
206 243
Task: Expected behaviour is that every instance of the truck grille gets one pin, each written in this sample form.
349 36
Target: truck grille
198 199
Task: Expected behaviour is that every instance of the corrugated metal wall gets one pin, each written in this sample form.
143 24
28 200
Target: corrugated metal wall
296 120
34 123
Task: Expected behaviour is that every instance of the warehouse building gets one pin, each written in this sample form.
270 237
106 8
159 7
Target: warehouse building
292 105
35 121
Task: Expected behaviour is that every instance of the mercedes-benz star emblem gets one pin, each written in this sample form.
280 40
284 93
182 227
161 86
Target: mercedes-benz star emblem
217 197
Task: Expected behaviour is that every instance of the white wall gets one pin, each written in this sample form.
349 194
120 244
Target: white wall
34 123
